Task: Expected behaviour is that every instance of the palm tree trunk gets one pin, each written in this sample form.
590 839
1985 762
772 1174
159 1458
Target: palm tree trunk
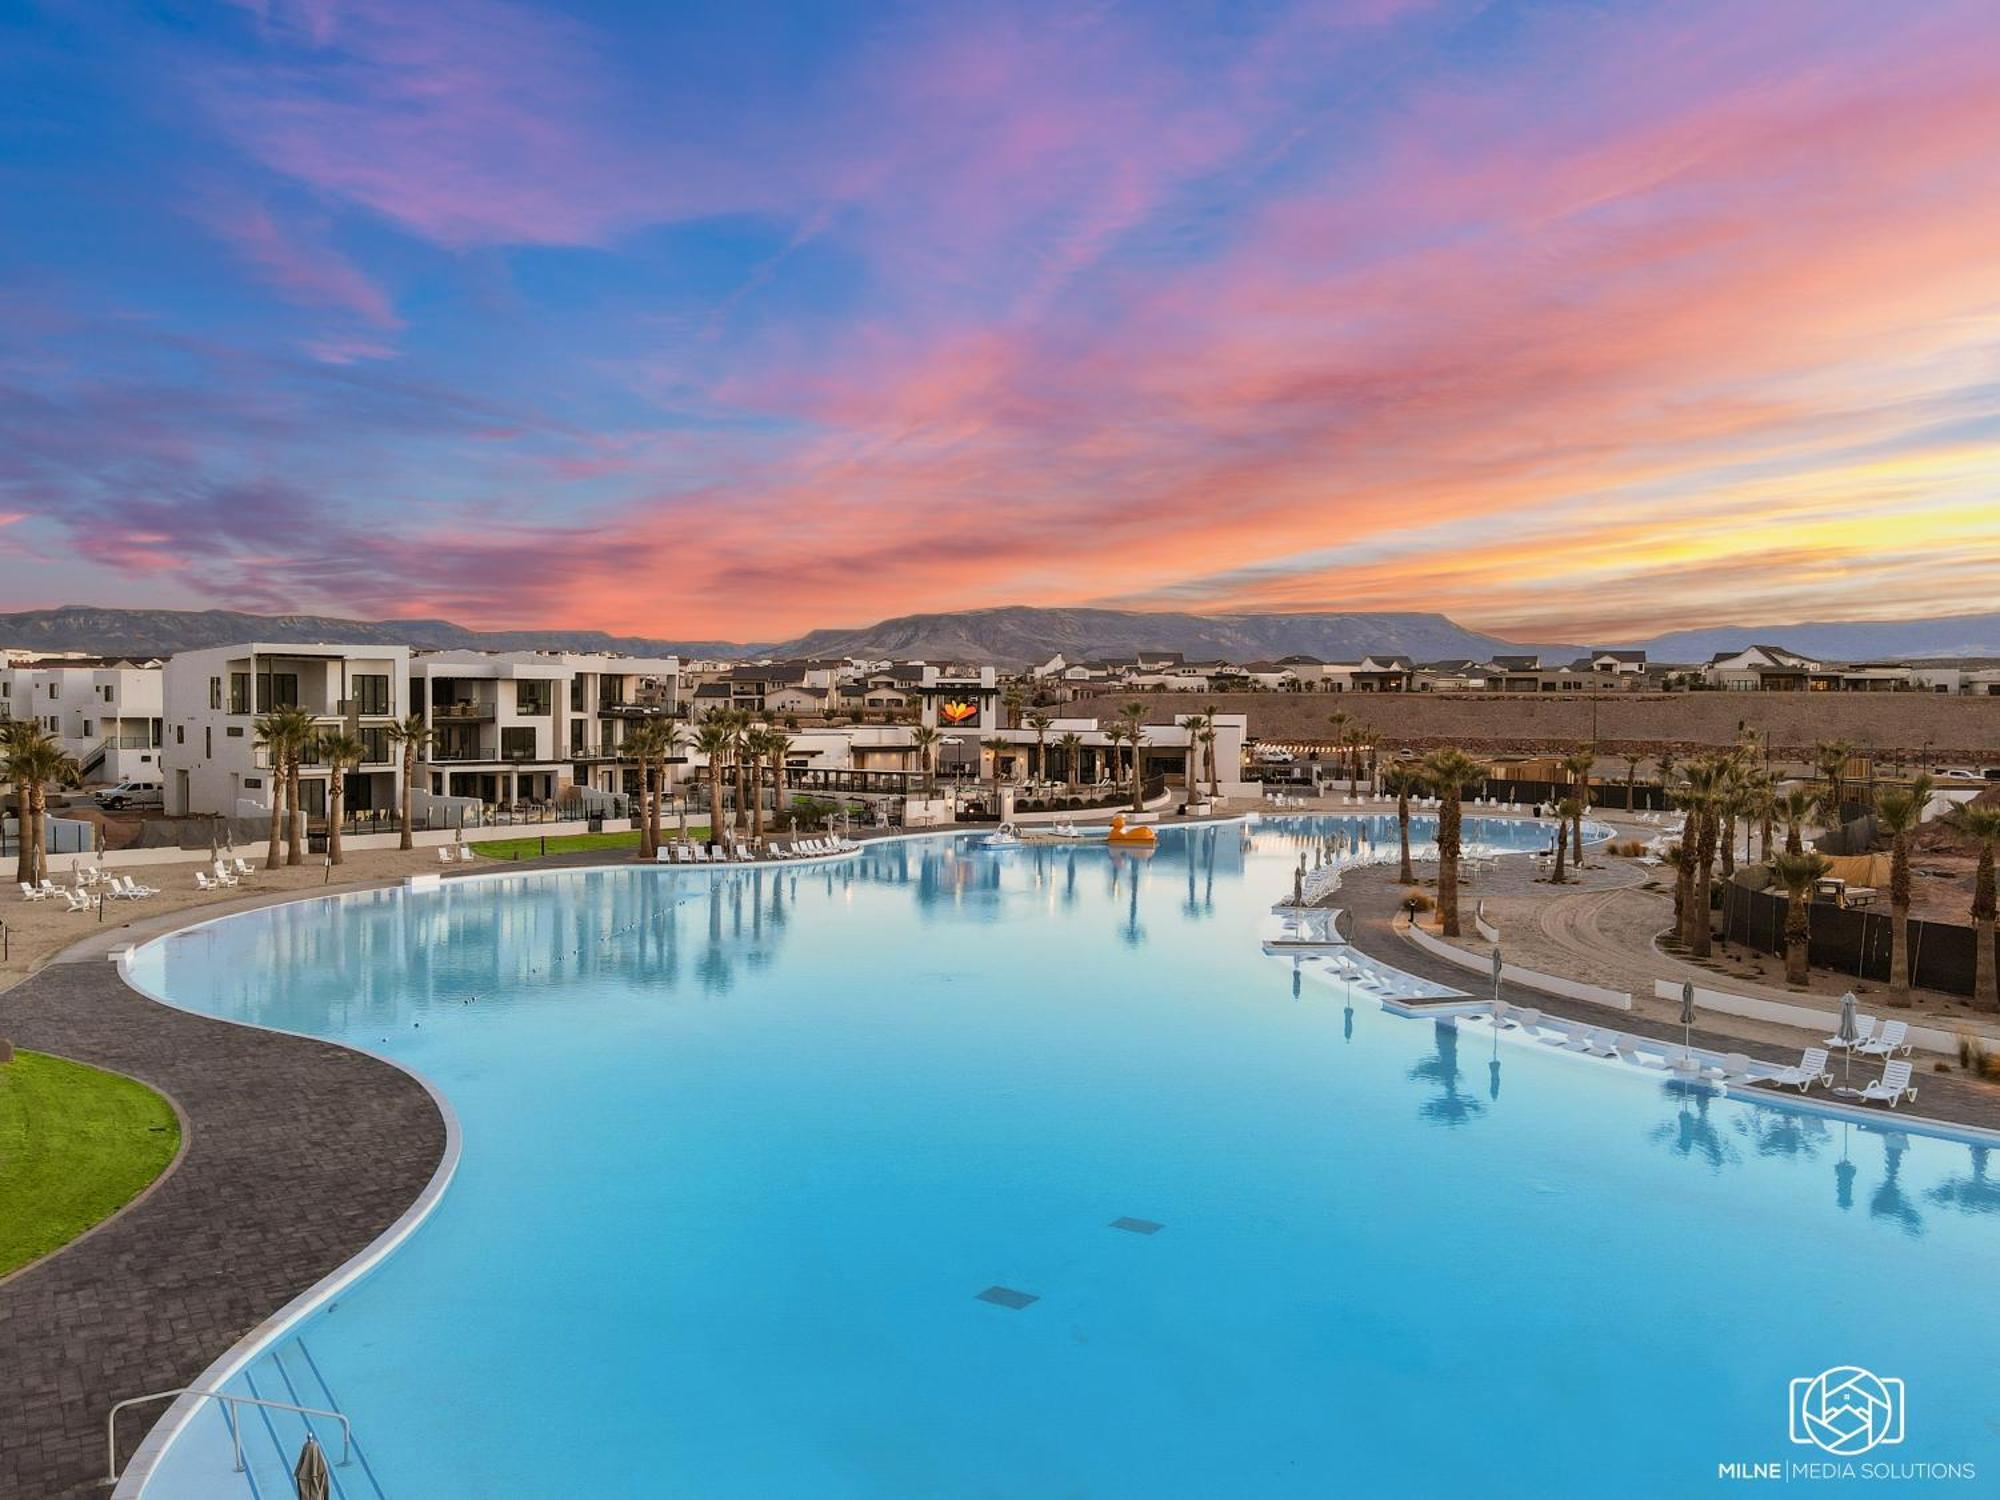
1407 875
407 841
37 833
742 817
1561 848
1797 933
1448 825
1704 883
756 799
336 807
1899 955
293 855
24 853
647 849
714 804
661 784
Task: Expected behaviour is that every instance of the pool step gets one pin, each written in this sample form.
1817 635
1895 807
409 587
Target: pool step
272 1438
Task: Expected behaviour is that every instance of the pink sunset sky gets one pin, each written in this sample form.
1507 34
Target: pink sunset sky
1573 321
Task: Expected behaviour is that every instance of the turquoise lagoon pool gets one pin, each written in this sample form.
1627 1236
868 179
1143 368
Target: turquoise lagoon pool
759 1166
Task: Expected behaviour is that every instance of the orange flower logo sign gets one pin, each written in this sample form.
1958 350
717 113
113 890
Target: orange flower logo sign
957 711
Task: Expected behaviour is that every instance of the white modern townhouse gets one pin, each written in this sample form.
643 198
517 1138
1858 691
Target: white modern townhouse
106 712
534 728
213 699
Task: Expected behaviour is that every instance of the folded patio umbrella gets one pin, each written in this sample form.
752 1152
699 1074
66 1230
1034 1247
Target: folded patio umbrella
310 1473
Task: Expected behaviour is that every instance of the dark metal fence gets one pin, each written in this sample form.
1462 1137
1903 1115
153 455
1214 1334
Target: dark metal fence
1853 941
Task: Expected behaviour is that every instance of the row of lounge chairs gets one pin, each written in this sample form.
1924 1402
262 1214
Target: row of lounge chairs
1734 1068
743 854
227 873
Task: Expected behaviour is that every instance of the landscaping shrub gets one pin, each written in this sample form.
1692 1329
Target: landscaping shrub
1417 901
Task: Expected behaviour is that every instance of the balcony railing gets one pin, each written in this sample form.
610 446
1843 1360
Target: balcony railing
463 713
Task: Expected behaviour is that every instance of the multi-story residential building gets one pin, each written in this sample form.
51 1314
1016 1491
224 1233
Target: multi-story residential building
213 698
530 726
105 712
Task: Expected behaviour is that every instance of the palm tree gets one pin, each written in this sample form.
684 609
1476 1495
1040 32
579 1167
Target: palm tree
414 736
739 731
1566 809
343 752
1403 780
20 742
750 779
924 740
1011 699
1794 805
270 730
1135 735
1040 722
1981 822
1339 719
640 745
1114 736
777 746
1071 746
1449 772
1831 757
669 740
993 747
1897 813
299 736
34 760
1207 738
1700 789
1631 760
713 740
1577 765
1797 874
1732 803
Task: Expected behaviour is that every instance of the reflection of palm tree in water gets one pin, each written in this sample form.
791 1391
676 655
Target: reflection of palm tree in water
714 968
1450 1107
1890 1201
1691 1133
1777 1132
1131 932
1976 1194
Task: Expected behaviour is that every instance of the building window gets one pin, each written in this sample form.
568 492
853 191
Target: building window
532 698
55 690
371 693
107 692
277 690
252 783
86 729
374 746
207 743
215 692
180 734
239 692
576 694
234 732
517 744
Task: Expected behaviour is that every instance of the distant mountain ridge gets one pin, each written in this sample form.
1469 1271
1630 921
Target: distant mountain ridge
1019 634
161 632
1012 635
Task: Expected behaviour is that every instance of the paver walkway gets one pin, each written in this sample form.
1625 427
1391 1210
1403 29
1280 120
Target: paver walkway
298 1154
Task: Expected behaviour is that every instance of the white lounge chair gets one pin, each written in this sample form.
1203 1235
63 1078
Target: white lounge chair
1628 1049
203 883
222 875
33 892
1603 1043
139 892
1893 1087
445 856
242 865
1736 1068
1811 1066
78 900
1525 1019
50 888
1864 1027
1894 1037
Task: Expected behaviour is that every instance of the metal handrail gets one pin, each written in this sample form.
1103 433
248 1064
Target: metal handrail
235 1422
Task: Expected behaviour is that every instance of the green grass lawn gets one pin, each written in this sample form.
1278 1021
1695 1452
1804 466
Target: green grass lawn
75 1144
574 843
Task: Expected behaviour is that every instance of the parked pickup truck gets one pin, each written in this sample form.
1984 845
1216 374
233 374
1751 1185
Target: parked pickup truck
131 794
